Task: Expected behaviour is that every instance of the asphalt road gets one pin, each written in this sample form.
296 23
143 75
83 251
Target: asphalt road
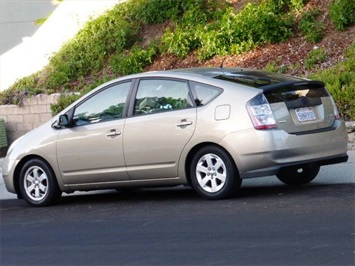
273 225
268 224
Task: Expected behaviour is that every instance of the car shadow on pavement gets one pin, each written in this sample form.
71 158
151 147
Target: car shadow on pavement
186 194
310 189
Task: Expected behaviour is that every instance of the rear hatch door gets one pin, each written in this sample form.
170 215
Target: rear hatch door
301 107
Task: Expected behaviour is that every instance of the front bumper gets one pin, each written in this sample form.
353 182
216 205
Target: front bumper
8 168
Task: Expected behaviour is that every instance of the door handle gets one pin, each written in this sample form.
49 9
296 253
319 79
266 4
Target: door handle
184 123
113 133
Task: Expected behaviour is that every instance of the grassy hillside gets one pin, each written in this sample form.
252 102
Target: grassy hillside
296 37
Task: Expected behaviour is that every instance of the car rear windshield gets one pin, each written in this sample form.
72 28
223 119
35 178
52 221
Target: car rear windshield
294 92
255 79
277 88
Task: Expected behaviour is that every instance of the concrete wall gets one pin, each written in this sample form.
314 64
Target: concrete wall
33 112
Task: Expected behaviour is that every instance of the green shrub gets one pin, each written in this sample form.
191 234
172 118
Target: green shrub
28 87
28 84
195 28
154 11
263 24
342 13
283 6
186 12
340 81
297 4
194 12
311 29
133 61
211 42
274 66
179 42
64 101
231 32
12 96
315 56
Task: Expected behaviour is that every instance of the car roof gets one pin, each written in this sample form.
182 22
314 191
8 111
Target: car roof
249 77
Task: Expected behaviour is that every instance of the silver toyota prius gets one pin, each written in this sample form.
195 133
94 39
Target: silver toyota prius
205 127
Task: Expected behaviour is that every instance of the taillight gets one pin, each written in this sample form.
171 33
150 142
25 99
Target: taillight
260 113
335 109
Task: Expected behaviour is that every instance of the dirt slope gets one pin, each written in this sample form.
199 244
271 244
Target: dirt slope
286 54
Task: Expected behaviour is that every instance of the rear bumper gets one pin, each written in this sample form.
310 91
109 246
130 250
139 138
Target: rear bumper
333 160
264 153
273 170
324 161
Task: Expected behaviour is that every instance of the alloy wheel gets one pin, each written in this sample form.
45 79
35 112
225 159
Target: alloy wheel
36 183
211 173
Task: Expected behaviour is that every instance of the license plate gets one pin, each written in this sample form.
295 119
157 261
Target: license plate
305 114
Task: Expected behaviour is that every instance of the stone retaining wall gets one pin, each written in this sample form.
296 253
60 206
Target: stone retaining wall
33 112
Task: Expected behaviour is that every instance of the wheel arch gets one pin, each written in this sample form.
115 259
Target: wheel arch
20 165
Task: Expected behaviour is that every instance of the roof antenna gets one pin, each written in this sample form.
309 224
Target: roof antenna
221 65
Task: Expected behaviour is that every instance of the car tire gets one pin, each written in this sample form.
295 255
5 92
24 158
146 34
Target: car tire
38 185
214 174
297 176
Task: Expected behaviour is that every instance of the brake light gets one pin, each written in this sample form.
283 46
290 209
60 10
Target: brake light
335 109
260 113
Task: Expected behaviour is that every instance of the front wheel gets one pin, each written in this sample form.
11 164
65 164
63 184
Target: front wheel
296 176
214 174
38 184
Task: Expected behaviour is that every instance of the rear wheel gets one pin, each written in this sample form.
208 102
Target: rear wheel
38 184
213 173
297 176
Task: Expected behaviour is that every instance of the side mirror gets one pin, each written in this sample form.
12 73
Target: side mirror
63 120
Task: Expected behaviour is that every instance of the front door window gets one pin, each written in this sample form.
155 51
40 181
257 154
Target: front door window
106 105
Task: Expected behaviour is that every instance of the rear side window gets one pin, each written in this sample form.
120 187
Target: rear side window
205 93
161 95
